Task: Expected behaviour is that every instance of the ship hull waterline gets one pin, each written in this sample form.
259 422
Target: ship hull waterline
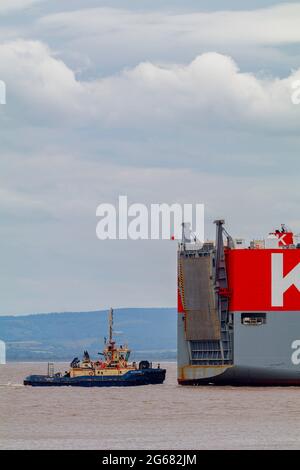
247 376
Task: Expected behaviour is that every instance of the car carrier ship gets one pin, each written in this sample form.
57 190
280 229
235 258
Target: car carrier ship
113 370
239 310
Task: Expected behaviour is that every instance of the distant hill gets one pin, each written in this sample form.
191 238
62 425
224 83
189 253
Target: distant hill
150 333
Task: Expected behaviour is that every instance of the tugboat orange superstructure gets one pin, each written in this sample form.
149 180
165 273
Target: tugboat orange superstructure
113 370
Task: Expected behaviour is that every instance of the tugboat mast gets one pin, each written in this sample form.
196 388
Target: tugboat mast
111 323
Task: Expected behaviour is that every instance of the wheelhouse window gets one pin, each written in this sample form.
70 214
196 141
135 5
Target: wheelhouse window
253 319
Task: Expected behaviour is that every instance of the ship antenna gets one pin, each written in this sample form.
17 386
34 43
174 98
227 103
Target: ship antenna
111 323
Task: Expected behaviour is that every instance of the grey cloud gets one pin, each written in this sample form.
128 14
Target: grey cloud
8 6
274 25
132 35
61 265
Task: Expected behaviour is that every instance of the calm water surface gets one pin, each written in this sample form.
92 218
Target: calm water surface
148 417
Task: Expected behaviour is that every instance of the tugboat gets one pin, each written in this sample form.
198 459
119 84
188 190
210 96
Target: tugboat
113 370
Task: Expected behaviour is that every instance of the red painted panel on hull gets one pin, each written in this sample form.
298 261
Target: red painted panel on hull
264 279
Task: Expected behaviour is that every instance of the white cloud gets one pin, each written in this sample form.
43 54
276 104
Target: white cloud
209 91
40 84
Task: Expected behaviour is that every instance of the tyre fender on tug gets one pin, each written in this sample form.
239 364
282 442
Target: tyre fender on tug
144 365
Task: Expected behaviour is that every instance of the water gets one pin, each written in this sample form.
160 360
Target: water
164 416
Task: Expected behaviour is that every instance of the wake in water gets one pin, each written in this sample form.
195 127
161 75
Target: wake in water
9 384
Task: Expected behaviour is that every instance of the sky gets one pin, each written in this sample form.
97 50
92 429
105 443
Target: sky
172 101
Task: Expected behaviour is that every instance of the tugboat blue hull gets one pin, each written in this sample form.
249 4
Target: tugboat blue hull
131 378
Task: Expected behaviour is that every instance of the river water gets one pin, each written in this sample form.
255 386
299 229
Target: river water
165 416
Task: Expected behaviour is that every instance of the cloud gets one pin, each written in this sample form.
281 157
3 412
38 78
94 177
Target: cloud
58 262
209 91
259 39
274 25
68 188
8 6
37 82
161 106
